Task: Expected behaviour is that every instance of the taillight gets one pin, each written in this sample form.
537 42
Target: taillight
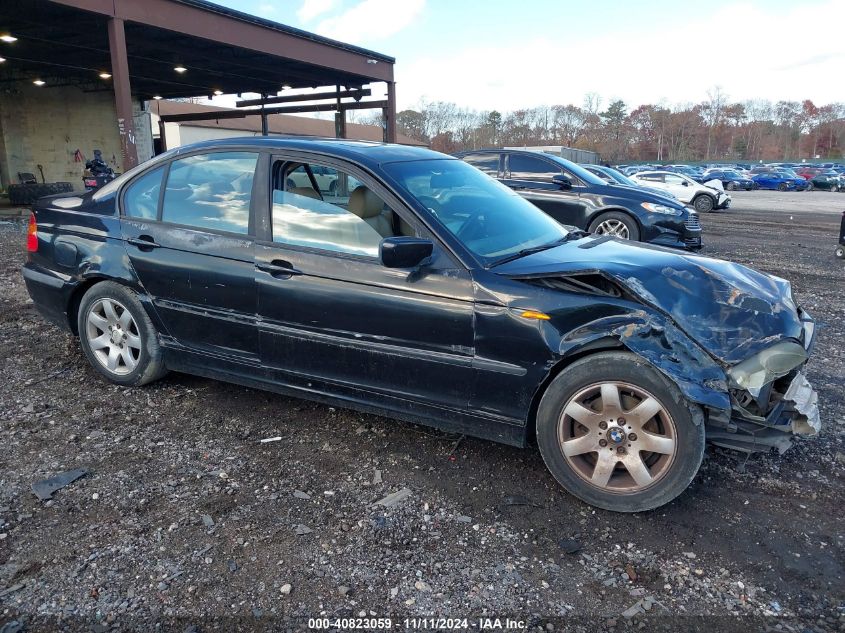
32 234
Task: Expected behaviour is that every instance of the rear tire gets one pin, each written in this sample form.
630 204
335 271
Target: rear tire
840 252
647 458
810 186
731 186
703 203
118 337
616 223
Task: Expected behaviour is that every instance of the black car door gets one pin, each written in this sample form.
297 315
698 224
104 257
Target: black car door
532 177
333 318
188 231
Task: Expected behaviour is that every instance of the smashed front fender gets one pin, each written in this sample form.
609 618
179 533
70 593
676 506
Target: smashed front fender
806 401
666 348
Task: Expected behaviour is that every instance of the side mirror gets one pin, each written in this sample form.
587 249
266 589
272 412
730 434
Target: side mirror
562 181
404 252
685 183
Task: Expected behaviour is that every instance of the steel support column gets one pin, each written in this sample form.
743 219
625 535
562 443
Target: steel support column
389 113
122 92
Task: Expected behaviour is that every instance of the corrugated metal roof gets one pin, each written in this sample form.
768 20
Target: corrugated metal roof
284 28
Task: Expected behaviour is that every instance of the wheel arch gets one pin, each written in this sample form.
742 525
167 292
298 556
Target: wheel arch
665 348
603 344
627 212
88 282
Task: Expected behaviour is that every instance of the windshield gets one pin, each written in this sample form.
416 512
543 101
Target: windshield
578 171
489 219
619 177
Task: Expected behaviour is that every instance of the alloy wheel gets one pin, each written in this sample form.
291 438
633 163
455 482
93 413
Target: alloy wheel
617 437
614 227
113 336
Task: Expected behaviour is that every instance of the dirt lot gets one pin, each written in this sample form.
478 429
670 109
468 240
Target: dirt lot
186 519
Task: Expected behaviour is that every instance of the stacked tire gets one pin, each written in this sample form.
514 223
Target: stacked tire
28 194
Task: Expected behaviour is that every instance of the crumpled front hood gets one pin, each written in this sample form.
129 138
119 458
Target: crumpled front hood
731 310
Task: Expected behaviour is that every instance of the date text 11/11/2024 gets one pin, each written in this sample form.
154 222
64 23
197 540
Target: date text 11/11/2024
431 624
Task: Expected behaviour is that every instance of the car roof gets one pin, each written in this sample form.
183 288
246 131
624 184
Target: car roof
365 152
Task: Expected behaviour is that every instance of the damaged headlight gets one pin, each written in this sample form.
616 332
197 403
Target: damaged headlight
660 208
764 367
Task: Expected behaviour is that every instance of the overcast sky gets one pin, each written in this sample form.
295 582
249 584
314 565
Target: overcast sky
504 55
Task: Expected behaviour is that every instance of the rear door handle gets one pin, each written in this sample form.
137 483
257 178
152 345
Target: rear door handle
144 242
279 268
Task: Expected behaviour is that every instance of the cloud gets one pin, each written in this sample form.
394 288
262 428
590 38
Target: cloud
747 48
371 20
310 9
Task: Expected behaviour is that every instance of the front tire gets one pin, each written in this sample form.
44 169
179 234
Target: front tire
617 224
703 203
118 337
783 186
731 186
617 434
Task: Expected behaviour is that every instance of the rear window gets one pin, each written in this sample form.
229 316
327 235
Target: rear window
141 197
210 191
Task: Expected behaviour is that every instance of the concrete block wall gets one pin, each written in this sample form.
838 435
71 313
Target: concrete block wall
43 125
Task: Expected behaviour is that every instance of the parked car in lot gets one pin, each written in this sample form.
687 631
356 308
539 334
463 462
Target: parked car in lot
689 171
431 293
826 179
614 177
731 180
771 179
701 197
574 196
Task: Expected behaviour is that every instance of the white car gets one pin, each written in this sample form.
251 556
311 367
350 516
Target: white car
703 197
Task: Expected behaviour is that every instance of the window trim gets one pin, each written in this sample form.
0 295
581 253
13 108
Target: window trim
255 194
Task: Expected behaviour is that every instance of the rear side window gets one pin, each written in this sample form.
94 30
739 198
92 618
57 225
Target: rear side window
488 163
141 197
521 166
210 191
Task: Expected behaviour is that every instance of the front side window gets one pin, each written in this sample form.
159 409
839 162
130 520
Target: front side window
671 179
210 191
141 197
343 216
489 219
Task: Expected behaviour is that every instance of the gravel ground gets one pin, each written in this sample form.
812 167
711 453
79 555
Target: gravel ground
187 520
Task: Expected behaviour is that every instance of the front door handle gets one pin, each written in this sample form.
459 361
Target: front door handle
279 268
144 242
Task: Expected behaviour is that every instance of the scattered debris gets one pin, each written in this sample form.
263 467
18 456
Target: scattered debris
233 566
12 589
631 572
207 520
422 586
45 488
301 495
377 476
463 519
267 440
394 498
286 588
570 545
301 530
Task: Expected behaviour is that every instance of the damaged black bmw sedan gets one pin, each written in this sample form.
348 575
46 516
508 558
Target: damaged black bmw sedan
403 282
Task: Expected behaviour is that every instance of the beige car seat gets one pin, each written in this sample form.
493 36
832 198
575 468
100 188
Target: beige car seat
368 206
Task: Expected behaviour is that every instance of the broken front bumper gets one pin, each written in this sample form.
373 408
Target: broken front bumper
770 417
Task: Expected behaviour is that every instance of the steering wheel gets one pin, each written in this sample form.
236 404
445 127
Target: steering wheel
471 226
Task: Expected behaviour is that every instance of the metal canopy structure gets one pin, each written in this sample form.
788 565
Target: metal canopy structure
178 48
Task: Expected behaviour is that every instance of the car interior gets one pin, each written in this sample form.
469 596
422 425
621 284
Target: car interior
343 215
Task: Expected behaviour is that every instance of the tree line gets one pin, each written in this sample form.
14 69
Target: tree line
716 129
